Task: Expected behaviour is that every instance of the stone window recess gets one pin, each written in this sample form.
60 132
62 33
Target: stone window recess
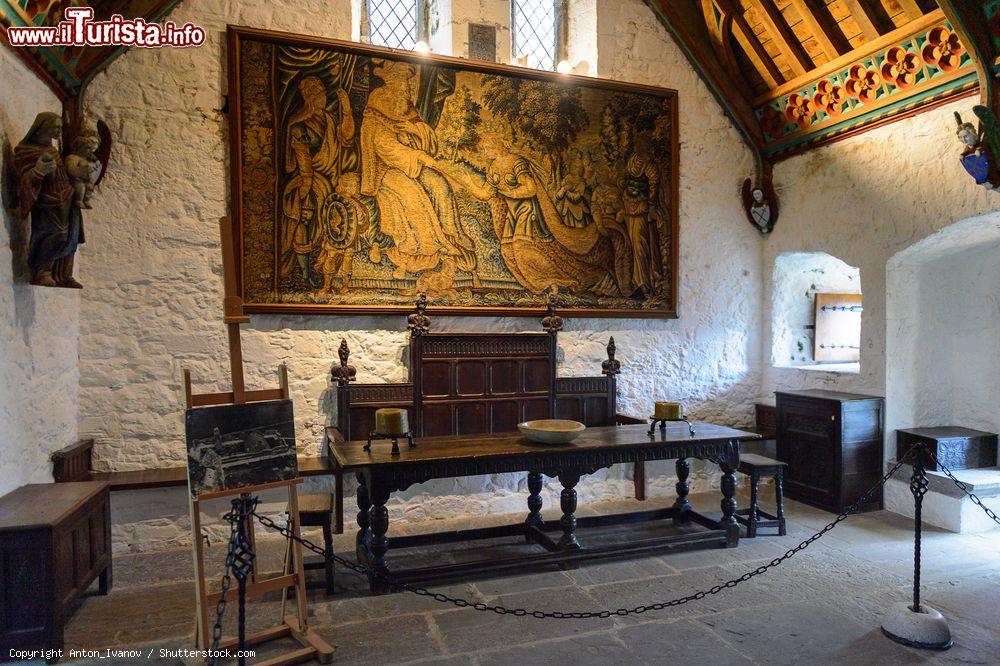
538 32
805 283
397 24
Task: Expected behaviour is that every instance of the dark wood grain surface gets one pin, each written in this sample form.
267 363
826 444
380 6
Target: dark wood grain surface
167 477
44 504
823 394
351 456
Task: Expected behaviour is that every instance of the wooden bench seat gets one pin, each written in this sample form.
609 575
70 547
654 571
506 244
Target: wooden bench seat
73 463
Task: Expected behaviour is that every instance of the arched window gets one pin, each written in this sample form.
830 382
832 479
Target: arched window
537 31
397 24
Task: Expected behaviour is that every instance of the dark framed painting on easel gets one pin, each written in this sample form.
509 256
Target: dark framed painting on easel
364 176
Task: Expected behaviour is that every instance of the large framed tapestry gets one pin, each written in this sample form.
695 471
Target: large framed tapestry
362 177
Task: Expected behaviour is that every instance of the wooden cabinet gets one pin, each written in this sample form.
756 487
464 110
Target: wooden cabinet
832 442
55 539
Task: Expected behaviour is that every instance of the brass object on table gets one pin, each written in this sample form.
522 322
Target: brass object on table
664 412
391 423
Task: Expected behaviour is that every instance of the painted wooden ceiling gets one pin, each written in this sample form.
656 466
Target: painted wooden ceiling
67 69
791 73
797 73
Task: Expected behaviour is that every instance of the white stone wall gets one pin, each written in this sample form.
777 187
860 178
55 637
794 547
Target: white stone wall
943 365
153 265
39 377
461 13
863 200
797 278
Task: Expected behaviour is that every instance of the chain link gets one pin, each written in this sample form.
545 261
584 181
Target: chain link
227 582
965 489
621 612
239 562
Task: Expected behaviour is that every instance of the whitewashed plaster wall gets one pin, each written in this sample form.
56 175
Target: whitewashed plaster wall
153 264
797 278
863 200
452 36
943 313
581 29
39 377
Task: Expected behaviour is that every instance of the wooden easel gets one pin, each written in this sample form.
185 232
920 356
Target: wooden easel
297 627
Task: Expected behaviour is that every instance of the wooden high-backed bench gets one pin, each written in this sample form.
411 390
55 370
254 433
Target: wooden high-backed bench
476 383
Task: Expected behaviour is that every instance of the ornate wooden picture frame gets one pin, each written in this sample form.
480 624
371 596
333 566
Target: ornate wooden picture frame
362 176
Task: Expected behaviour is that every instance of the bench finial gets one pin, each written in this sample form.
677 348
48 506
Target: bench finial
551 322
612 366
419 323
343 373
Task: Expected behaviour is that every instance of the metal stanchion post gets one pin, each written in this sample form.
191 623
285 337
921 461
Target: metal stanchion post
913 624
243 508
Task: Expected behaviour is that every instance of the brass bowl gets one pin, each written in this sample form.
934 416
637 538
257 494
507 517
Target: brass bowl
551 431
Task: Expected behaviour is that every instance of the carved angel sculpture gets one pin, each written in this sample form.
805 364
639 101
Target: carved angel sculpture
980 147
761 205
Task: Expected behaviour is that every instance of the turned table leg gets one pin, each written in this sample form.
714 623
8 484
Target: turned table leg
754 500
681 505
534 518
567 502
364 528
378 519
728 504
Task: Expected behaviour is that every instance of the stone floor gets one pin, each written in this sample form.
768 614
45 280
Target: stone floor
821 607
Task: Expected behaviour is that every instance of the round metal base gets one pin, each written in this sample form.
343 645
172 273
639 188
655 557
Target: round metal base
925 629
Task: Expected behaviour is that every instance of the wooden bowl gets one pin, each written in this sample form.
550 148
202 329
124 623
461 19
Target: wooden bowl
551 431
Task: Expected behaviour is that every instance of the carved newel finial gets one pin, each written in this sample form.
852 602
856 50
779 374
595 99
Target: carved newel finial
612 366
419 323
551 322
343 373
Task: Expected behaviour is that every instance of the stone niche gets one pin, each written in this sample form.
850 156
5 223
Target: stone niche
943 355
798 277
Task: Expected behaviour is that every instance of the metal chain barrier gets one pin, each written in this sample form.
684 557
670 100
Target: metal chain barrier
621 612
965 489
239 564
227 582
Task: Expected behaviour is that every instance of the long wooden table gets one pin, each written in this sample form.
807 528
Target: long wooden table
379 474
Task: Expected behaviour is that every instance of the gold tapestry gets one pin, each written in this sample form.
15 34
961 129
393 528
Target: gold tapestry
366 177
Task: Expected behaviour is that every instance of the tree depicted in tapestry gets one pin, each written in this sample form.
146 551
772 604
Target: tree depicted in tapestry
369 177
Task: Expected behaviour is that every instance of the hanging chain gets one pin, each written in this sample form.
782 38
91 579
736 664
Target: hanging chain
965 489
227 582
239 562
621 612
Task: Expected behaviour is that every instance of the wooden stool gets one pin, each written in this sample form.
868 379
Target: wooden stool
317 511
755 467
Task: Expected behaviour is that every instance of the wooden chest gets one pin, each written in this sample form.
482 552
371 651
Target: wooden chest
832 442
55 539
958 448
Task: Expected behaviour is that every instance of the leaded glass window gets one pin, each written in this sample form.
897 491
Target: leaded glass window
533 32
393 23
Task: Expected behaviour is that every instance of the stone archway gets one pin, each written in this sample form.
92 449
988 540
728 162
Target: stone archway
943 331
